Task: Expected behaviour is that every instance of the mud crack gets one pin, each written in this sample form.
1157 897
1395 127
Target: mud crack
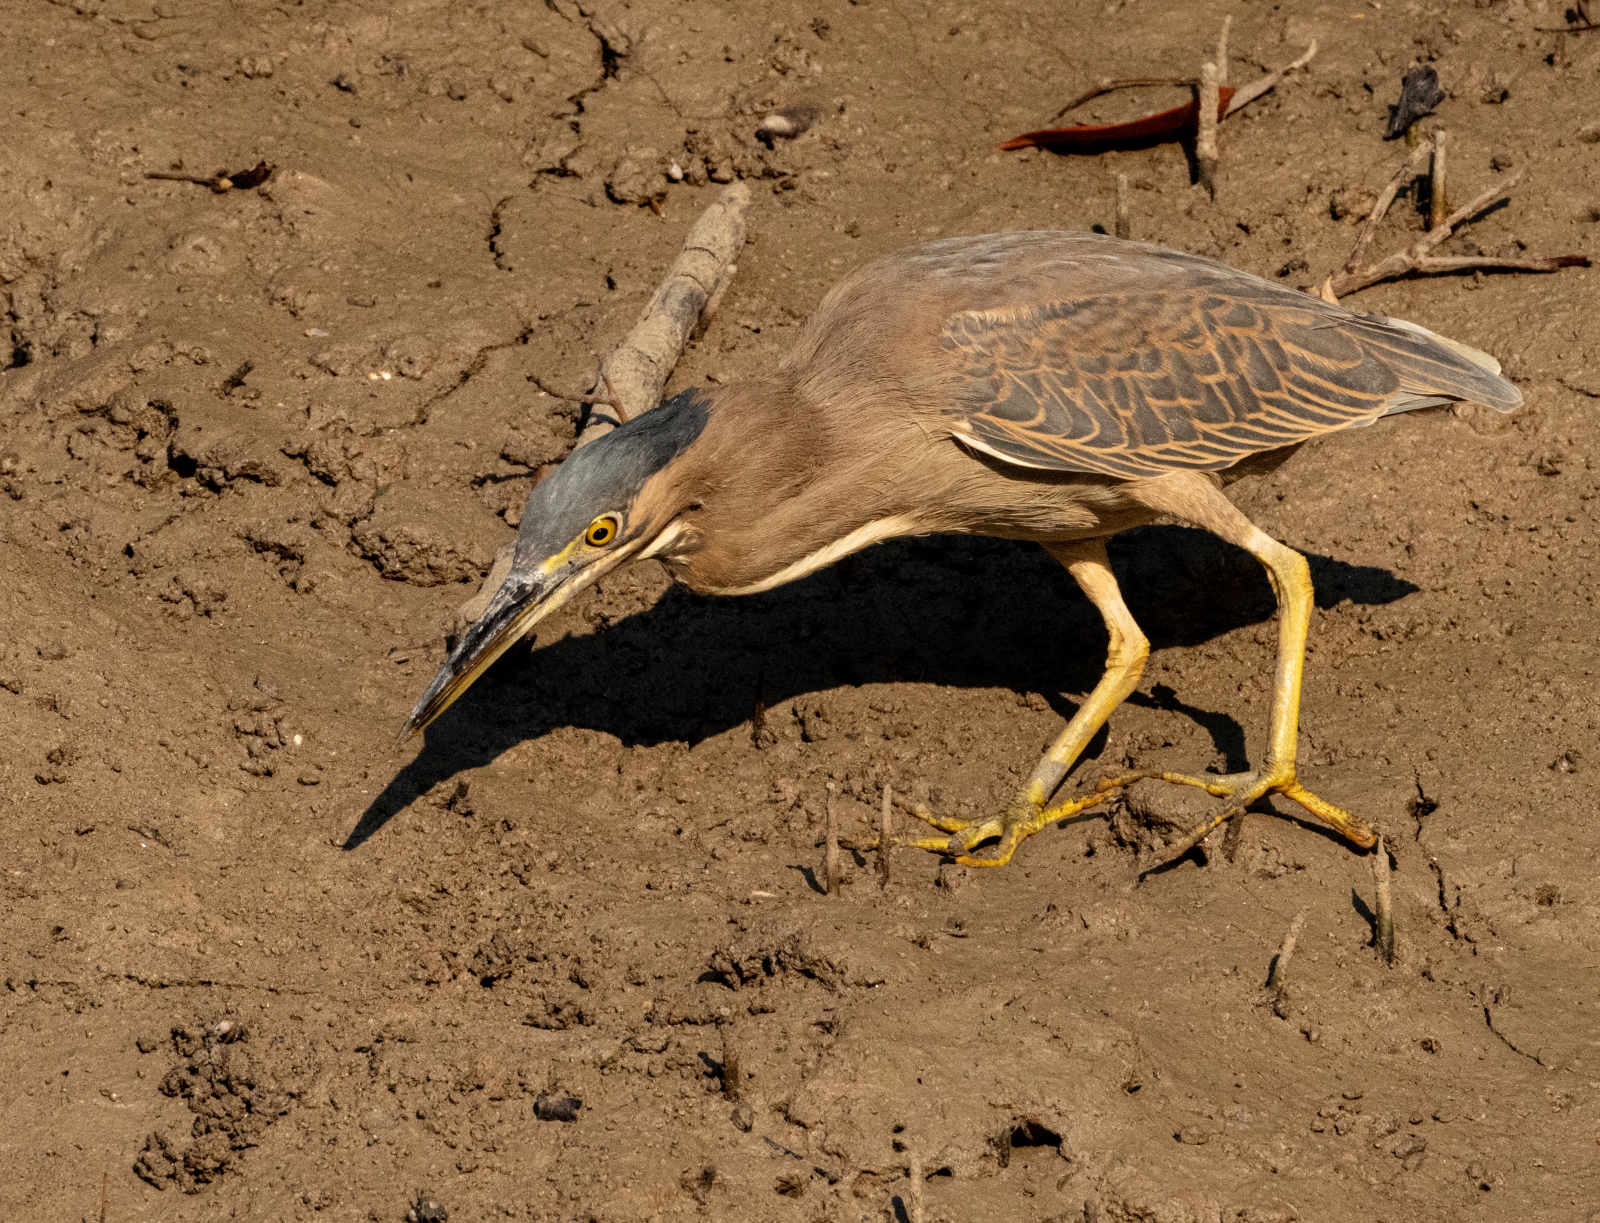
496 249
1488 1018
480 360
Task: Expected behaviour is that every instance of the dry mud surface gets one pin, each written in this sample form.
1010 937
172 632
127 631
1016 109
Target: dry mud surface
256 447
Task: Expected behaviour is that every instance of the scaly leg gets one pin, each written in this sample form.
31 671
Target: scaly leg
1196 499
1028 812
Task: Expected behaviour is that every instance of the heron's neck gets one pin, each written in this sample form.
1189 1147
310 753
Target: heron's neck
782 493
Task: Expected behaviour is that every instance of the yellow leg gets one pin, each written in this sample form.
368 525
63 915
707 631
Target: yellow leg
1196 499
1028 812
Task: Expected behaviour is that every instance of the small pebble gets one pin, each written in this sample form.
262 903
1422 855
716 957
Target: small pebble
786 123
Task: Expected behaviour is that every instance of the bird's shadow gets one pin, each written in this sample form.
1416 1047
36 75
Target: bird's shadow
952 611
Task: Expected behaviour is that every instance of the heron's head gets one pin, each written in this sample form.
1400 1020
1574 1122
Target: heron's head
608 503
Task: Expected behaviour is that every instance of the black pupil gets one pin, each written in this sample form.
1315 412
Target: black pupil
602 533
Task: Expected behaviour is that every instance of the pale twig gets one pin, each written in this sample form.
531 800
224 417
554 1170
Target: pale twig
732 1075
1221 60
1205 145
1369 230
1416 258
1249 93
1192 838
1434 264
1124 228
640 365
1411 259
830 856
637 369
1280 963
1231 838
1383 917
917 1214
1441 231
1437 204
885 835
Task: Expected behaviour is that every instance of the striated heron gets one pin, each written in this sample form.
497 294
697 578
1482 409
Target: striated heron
1044 386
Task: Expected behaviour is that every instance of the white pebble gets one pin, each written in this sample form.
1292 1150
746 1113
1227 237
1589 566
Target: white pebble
777 125
298 740
675 172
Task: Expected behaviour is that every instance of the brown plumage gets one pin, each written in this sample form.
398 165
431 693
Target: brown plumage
1052 387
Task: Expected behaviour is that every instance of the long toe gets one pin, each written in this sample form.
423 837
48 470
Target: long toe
974 835
1009 840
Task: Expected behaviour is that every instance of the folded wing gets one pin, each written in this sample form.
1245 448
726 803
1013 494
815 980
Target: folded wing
1197 375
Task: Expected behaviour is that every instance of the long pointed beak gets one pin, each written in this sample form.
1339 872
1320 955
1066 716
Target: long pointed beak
520 603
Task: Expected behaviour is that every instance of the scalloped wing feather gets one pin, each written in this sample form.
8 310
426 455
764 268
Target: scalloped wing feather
1197 376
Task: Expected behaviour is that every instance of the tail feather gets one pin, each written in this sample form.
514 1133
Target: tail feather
1451 371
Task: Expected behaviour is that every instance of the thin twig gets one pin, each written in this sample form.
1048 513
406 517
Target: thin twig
1231 838
1411 259
220 182
732 1075
830 860
1436 190
1280 962
917 1213
1441 231
1463 263
1383 919
1205 145
214 181
1221 60
1124 228
1243 97
1187 842
885 835
1375 218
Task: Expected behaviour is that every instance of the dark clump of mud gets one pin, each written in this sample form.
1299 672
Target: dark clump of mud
569 958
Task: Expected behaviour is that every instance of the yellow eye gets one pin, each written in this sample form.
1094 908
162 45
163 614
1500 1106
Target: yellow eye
602 531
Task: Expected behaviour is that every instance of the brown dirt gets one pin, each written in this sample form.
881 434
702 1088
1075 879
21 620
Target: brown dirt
231 556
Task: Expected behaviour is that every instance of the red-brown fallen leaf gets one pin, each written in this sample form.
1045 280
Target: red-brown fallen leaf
1139 133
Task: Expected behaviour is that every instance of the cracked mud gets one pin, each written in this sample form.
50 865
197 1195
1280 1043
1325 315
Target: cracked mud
568 960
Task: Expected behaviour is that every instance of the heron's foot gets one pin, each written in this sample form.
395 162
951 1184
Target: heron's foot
1025 815
1242 789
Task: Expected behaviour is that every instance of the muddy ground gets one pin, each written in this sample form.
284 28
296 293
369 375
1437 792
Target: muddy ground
257 446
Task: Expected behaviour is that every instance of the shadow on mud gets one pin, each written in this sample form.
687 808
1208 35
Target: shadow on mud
957 612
